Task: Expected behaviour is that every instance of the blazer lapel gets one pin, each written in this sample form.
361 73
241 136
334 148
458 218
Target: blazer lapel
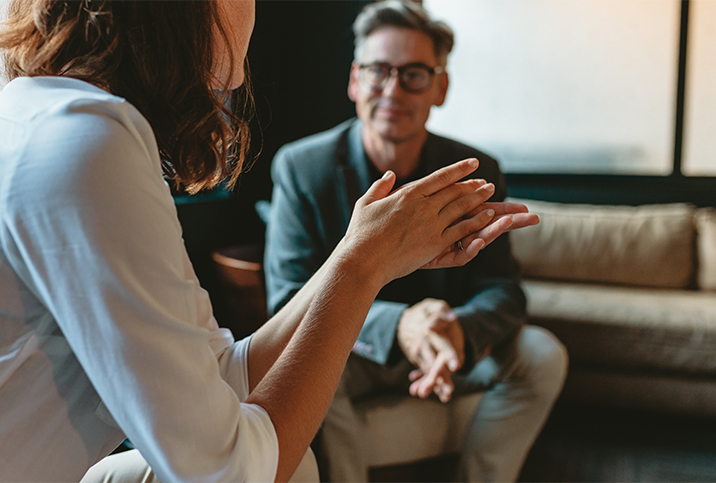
432 159
351 170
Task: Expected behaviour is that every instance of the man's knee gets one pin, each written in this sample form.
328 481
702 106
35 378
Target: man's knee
543 358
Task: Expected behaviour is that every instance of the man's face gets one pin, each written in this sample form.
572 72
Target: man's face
391 112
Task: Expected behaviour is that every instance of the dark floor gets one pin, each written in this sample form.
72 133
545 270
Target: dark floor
583 443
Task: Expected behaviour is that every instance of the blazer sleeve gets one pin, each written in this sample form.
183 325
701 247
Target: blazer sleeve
298 242
293 249
496 310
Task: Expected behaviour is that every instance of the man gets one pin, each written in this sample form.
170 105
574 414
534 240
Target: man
445 332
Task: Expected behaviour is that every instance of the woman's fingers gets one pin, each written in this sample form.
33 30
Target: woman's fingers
464 227
506 207
390 225
483 223
522 220
444 177
500 208
500 225
420 224
463 201
479 224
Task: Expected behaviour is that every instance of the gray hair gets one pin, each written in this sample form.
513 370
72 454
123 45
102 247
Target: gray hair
407 14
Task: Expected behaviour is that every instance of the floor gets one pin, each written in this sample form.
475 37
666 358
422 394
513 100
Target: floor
583 443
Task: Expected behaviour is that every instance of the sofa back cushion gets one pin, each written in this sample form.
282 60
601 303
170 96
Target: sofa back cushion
649 245
706 246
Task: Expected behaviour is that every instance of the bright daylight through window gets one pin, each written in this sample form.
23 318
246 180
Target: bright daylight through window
700 118
564 86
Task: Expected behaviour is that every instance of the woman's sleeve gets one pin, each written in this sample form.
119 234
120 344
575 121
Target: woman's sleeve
96 237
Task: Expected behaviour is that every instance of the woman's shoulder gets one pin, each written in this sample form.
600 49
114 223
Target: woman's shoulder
60 131
63 109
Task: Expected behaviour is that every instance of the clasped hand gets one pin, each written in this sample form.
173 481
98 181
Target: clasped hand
432 340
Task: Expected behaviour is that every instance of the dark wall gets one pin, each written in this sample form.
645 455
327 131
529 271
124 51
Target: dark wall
614 190
299 56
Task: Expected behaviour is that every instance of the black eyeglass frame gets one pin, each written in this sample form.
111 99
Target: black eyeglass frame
401 69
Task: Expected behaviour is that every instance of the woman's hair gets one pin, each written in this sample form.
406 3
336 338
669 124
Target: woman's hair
156 54
407 14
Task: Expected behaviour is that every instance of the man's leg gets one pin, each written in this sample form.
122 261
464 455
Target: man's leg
131 467
342 441
524 379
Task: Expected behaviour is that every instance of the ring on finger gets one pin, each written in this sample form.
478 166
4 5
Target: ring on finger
459 245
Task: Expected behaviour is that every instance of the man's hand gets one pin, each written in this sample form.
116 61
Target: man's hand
432 339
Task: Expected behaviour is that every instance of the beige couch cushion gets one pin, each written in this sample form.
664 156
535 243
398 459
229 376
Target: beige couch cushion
650 245
610 327
706 245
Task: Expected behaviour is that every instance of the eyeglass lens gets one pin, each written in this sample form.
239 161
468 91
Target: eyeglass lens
413 77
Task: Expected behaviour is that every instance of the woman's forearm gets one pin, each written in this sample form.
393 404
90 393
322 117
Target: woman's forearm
271 339
297 389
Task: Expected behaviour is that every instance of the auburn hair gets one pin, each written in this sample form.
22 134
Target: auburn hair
159 56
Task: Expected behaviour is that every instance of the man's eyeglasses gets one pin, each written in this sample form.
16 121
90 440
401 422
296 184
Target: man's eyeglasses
414 78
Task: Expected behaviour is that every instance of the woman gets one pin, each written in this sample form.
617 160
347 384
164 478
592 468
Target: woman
104 330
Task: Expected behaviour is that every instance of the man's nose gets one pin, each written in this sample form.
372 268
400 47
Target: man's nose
392 85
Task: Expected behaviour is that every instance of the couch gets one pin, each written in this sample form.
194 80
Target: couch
631 292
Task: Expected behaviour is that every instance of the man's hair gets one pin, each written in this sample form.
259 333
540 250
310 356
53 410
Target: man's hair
157 55
406 14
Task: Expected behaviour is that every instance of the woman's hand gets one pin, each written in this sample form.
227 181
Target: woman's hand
504 217
393 234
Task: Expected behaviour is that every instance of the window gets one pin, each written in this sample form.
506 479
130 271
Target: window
700 110
565 86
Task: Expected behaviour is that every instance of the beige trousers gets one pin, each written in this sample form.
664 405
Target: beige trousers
130 467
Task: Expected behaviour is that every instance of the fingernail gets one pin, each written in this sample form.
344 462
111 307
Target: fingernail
481 244
452 365
386 174
473 163
451 315
490 213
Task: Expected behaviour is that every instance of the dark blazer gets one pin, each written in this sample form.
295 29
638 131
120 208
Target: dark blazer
317 181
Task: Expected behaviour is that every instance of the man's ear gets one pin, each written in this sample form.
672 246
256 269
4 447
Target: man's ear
353 82
443 84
